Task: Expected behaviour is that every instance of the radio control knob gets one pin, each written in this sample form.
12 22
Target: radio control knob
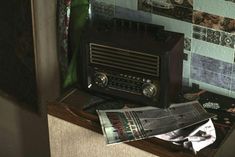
149 90
101 79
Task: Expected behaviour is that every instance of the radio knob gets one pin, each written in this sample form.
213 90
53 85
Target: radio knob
101 79
149 90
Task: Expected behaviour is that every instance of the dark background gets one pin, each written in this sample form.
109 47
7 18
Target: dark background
17 65
23 125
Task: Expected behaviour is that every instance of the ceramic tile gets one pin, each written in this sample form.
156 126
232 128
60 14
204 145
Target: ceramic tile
181 10
210 77
211 64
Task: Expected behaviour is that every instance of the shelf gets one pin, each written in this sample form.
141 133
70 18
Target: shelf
70 108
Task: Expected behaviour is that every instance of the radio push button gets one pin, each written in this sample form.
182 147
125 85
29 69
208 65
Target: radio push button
149 90
101 79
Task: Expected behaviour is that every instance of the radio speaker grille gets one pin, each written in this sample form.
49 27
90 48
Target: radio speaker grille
124 59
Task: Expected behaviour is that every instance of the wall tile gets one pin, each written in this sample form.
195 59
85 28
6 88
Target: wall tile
173 9
211 64
187 44
210 77
233 73
233 84
213 21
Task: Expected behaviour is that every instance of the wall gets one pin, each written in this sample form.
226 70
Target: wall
26 40
22 133
209 28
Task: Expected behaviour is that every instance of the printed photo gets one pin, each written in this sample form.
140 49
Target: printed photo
177 9
214 21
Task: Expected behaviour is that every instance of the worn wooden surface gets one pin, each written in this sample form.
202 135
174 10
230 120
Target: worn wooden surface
70 109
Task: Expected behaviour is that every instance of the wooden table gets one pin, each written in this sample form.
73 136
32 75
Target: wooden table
70 108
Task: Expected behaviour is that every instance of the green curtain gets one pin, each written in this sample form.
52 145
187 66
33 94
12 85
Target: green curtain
79 14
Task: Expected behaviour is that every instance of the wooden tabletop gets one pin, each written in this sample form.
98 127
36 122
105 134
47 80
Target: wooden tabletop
70 108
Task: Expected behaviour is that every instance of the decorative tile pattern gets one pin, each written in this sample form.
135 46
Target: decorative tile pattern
211 64
103 9
211 71
233 85
214 36
187 44
233 73
199 33
210 77
227 40
63 15
181 10
230 1
233 79
214 21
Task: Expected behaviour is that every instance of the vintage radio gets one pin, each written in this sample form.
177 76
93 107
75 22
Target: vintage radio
131 60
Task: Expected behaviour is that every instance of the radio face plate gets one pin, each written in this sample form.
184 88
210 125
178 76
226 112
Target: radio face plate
122 83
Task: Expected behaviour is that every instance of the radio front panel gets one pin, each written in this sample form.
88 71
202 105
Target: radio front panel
123 83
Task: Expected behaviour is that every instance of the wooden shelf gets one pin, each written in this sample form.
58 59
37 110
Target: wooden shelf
70 108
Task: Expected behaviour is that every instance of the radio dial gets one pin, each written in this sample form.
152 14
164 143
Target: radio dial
101 79
149 90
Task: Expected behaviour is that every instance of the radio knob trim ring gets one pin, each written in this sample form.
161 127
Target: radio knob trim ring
149 90
101 79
